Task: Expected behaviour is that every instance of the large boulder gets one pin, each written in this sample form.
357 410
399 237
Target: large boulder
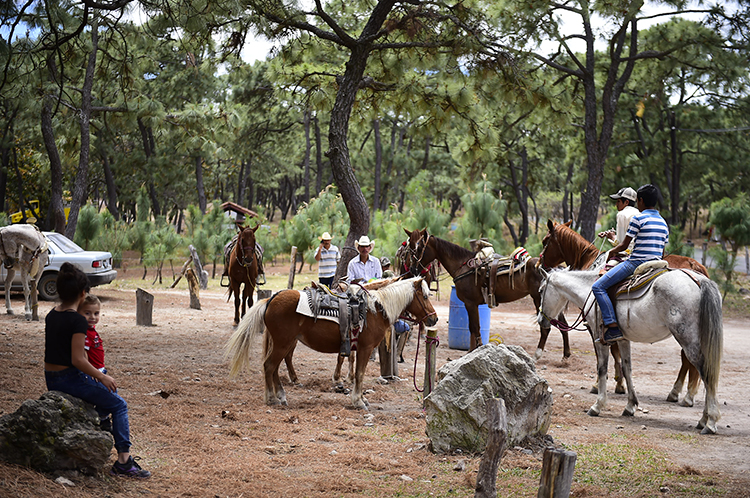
456 408
56 432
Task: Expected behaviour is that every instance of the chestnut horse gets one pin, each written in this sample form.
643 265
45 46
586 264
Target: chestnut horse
424 248
277 316
563 244
243 270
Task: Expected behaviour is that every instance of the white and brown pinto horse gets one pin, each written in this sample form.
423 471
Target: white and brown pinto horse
23 249
278 318
687 307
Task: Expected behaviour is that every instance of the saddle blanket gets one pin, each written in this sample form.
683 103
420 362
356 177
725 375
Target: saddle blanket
304 307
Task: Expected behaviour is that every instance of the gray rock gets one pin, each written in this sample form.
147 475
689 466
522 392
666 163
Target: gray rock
56 432
456 408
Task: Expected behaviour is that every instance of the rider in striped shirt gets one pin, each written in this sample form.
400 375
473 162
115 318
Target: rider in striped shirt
650 234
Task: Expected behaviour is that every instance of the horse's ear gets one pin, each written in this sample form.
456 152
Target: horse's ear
568 223
407 232
550 225
256 228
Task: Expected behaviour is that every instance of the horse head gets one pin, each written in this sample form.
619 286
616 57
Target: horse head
420 306
419 255
552 254
246 245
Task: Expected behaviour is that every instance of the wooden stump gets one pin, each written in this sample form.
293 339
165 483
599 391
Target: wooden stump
557 473
264 293
430 356
498 426
34 301
194 288
387 355
200 273
292 268
144 307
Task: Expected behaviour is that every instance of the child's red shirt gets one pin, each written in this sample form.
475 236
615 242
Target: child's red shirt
94 348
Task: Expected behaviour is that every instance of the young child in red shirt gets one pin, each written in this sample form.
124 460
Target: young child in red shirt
90 308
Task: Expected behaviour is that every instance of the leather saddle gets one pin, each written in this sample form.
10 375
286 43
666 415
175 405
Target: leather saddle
496 266
350 307
640 282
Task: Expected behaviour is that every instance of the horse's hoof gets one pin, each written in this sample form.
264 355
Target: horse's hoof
628 413
594 390
672 398
592 412
619 389
686 401
10 312
538 354
708 430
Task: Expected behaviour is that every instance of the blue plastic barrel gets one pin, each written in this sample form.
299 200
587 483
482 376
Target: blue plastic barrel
458 323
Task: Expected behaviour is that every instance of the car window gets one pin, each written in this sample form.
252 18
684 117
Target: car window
65 244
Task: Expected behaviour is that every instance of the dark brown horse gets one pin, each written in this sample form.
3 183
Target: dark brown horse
277 316
563 244
425 248
243 271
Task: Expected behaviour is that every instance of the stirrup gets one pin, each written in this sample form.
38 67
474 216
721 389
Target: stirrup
260 279
221 282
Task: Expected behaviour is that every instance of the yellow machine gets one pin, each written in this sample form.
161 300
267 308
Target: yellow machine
31 215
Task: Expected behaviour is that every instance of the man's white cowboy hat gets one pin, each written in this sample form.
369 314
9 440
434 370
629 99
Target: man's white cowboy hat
364 241
326 236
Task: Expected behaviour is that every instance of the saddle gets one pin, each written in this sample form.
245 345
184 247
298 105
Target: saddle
496 266
349 308
640 282
228 248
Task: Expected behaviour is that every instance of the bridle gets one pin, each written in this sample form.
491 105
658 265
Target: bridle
561 326
423 304
415 258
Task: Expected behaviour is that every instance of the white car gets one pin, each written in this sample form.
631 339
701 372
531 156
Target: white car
97 265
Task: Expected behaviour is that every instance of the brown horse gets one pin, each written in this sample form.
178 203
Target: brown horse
425 248
563 244
277 316
243 271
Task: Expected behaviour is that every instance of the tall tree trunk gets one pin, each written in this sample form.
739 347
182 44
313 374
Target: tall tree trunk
109 179
318 156
80 186
378 162
676 167
202 203
56 208
19 188
426 158
149 149
240 184
7 144
308 147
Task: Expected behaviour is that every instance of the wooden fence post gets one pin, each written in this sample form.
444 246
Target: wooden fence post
292 268
557 473
497 425
387 355
144 307
194 288
430 357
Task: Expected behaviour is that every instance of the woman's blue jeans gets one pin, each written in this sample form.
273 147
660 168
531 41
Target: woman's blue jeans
612 277
76 383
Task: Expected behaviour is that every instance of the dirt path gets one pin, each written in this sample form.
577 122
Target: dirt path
213 436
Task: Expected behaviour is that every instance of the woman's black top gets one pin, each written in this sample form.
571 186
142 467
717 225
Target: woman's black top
58 335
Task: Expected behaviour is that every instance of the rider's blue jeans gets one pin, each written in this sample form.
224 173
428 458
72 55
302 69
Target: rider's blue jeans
614 276
76 383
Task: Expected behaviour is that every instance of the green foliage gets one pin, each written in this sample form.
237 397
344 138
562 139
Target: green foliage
722 271
89 225
4 219
677 244
731 217
162 243
139 231
483 217
113 237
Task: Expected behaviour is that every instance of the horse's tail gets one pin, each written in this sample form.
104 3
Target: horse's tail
711 331
238 347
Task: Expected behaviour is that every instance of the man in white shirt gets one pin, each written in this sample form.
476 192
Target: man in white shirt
328 256
364 267
625 202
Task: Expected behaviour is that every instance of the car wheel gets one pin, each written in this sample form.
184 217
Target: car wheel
47 287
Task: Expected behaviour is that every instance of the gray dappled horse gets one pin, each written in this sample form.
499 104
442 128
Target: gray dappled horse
23 248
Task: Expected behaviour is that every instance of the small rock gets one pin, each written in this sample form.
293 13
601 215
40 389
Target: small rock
406 478
334 452
643 427
64 481
460 466
664 489
567 396
527 451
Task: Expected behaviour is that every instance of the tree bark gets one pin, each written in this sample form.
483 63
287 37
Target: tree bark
202 203
80 187
308 147
109 179
56 208
318 156
378 160
497 425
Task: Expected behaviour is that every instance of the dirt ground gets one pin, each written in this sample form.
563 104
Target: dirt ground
212 436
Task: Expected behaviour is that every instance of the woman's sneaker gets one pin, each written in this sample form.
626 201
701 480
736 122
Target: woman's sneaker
129 469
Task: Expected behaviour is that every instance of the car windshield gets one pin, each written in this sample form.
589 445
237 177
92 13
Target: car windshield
65 244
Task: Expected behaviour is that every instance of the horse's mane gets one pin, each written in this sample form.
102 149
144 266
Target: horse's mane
583 252
451 250
394 297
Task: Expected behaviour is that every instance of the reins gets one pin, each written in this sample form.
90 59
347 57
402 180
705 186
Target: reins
562 326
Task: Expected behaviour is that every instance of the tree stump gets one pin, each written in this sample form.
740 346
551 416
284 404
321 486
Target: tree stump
144 307
292 268
199 271
194 288
557 473
34 301
387 355
498 427
430 355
